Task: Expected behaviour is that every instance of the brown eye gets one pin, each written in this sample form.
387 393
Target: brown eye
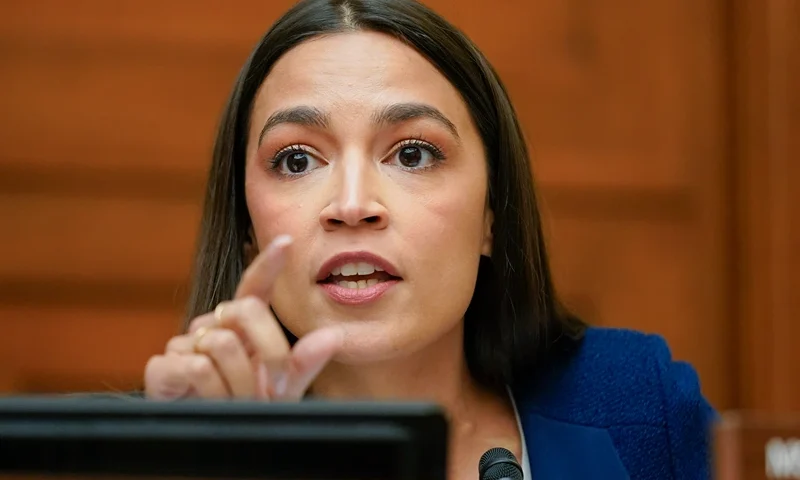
416 155
410 157
297 162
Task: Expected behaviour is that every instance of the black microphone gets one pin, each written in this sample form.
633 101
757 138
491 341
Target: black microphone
499 464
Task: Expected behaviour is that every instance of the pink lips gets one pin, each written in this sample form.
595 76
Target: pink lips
356 296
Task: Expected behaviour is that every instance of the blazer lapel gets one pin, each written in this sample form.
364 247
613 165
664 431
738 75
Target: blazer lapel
565 451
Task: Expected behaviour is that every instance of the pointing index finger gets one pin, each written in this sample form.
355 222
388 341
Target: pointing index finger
259 278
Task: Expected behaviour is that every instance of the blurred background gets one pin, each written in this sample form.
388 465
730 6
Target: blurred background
665 135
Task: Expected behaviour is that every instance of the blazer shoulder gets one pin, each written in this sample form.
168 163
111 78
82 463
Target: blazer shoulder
616 377
628 384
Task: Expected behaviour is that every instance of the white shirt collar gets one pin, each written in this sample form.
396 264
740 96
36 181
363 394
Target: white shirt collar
525 463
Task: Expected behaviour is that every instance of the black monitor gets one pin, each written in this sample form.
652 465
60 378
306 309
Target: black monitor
83 438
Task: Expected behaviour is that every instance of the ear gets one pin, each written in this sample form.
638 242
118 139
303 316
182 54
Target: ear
250 247
488 238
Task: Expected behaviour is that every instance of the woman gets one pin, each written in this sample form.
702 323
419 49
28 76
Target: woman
371 231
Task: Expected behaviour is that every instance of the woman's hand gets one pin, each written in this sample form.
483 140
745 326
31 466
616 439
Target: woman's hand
240 350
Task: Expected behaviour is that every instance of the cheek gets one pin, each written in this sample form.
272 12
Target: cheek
452 217
274 213
268 218
276 209
445 234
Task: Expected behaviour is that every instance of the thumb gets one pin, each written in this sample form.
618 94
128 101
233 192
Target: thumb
165 378
308 357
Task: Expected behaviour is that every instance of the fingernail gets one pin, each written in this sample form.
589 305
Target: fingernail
282 241
281 382
262 383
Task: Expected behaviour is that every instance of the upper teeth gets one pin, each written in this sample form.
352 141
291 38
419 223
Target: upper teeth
359 268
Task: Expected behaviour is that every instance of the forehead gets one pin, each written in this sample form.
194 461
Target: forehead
354 73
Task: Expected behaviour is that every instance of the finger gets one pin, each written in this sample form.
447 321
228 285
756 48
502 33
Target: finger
263 334
308 357
181 344
231 360
262 381
165 378
187 343
207 320
205 379
260 276
212 320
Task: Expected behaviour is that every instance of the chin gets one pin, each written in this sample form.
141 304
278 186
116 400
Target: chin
359 357
374 336
371 343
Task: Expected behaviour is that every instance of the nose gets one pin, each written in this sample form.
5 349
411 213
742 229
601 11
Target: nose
356 198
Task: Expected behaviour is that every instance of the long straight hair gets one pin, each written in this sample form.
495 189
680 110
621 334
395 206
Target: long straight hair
514 322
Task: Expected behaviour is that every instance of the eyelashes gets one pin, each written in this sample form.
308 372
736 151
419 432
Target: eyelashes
414 154
422 144
296 159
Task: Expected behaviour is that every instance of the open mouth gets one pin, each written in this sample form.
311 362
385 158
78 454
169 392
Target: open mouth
360 275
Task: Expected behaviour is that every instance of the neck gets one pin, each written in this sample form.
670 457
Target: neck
437 373
479 419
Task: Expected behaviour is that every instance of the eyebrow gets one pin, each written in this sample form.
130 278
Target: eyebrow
301 115
390 115
403 112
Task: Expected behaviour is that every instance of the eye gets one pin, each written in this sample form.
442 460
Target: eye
417 155
295 161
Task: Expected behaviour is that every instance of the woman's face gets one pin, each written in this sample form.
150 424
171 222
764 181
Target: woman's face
367 156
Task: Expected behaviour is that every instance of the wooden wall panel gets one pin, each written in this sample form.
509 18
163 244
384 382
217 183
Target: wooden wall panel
644 271
110 109
58 349
167 24
132 108
109 112
97 239
766 136
602 89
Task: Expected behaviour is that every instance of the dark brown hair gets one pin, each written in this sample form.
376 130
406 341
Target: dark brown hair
514 320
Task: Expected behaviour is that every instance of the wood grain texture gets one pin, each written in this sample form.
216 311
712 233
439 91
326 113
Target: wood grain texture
102 104
767 73
83 348
64 238
602 89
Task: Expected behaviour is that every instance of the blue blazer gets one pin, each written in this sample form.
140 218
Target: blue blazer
619 408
